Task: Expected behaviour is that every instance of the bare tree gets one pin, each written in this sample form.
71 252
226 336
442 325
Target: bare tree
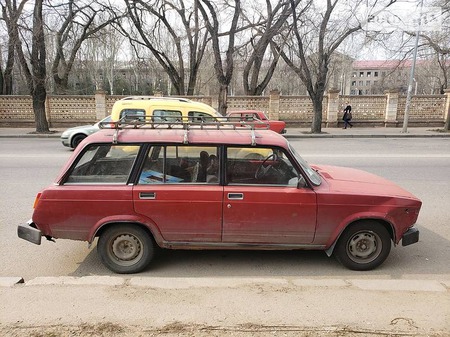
223 68
156 28
35 69
74 23
10 16
318 30
266 30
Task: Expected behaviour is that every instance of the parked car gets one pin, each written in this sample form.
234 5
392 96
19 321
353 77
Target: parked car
157 109
74 136
142 188
256 115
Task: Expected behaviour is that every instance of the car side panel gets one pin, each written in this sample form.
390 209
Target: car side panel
71 211
182 212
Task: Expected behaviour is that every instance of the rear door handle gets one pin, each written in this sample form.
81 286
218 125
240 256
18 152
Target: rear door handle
235 196
147 195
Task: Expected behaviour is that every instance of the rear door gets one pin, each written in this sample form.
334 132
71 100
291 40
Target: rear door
176 190
262 203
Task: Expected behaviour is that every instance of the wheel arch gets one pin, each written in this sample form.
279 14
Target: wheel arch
151 231
386 224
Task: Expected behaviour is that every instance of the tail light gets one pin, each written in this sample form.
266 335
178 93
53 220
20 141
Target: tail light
36 200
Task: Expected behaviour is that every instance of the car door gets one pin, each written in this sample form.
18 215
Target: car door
262 202
176 191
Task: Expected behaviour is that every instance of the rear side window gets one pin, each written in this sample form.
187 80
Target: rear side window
104 164
166 115
181 164
197 116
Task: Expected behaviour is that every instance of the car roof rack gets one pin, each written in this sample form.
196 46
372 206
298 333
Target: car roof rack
130 122
143 98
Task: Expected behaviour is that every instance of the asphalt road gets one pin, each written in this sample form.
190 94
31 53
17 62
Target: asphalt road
421 165
223 293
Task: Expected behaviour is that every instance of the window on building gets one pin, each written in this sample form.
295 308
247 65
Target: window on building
369 73
353 83
361 73
367 82
354 74
375 74
360 83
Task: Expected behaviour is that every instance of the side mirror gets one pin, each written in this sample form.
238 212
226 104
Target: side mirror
301 182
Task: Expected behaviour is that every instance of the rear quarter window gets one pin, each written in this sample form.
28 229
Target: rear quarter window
103 164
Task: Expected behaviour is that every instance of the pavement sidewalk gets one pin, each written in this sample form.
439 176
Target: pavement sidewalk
355 132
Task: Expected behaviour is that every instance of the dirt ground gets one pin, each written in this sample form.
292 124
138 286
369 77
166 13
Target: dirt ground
221 307
178 330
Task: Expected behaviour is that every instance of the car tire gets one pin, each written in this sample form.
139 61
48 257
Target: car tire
77 139
126 249
363 246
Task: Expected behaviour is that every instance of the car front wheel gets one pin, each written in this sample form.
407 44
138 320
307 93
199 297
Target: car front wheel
363 246
77 140
126 249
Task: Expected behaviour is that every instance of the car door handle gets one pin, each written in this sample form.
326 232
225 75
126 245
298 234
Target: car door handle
235 196
147 195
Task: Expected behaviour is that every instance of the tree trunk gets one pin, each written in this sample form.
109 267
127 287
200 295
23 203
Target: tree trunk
316 126
223 97
39 96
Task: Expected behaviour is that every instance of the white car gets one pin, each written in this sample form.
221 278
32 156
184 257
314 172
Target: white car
73 136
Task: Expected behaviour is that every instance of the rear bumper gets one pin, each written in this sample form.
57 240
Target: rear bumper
411 236
29 232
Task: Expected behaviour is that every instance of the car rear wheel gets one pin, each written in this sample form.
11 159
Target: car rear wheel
363 246
126 249
77 139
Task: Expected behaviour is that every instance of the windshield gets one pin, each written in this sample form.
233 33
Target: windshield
313 175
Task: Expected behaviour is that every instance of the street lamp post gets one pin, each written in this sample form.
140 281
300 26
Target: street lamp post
411 76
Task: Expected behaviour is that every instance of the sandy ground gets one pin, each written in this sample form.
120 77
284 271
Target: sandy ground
221 307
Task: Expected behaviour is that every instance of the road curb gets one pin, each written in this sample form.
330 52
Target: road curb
231 282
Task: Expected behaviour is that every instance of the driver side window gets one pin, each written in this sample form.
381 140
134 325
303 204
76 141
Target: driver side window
260 166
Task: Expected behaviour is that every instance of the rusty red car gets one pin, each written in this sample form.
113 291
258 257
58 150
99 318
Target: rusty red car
260 116
139 188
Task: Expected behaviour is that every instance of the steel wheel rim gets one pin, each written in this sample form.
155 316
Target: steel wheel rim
126 249
364 247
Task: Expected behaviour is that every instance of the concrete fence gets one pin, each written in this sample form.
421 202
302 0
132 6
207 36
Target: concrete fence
381 110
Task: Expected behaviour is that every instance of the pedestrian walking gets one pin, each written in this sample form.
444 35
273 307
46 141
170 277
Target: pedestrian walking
347 115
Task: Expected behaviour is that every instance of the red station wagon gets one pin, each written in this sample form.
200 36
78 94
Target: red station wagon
193 187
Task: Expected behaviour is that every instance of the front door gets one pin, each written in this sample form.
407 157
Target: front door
262 202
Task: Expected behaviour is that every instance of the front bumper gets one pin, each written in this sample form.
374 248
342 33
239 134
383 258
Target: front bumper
411 236
29 232
65 141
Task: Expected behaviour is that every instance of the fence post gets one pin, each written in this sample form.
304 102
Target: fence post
274 105
332 108
390 116
100 104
